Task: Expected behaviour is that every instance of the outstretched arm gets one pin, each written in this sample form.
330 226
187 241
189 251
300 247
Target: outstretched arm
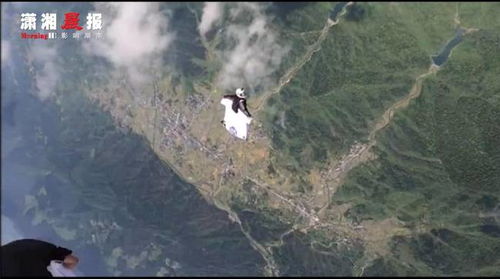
243 108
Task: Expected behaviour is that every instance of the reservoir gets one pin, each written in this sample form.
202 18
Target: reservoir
443 55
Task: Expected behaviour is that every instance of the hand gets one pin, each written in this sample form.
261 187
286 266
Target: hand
70 261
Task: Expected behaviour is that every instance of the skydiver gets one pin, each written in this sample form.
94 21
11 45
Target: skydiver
236 123
239 102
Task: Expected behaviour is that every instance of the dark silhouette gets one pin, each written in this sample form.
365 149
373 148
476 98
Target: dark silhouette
30 257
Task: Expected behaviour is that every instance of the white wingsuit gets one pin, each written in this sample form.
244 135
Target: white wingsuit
235 123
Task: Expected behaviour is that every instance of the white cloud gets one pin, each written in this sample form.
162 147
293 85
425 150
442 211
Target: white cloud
47 75
257 53
212 12
134 35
